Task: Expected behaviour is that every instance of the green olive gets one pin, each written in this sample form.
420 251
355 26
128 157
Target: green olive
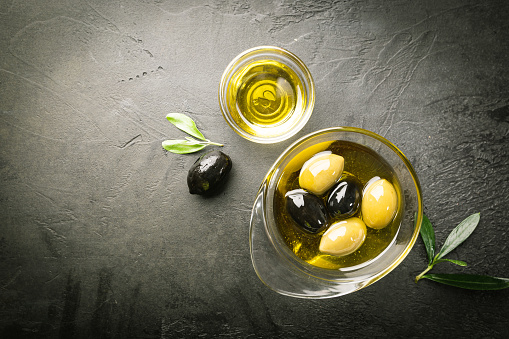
343 237
319 173
379 204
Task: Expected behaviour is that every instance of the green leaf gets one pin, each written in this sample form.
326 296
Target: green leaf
457 262
428 237
459 234
470 281
186 124
181 146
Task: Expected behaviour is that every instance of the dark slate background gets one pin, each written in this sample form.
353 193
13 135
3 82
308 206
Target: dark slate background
99 237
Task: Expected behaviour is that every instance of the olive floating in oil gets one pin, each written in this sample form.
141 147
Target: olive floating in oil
345 198
344 237
321 172
379 204
307 210
209 173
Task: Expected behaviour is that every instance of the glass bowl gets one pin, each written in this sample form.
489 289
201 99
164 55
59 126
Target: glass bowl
282 271
277 110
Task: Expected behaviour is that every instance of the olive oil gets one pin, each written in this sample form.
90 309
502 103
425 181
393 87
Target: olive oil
362 163
266 98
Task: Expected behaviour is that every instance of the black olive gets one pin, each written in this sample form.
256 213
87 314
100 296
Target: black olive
345 198
307 210
209 173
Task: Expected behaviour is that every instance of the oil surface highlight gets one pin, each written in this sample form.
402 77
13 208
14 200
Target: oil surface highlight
264 96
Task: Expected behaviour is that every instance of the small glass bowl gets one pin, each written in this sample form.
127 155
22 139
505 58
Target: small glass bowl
282 271
262 133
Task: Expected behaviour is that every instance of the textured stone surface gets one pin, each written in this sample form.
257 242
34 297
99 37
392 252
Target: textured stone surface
99 237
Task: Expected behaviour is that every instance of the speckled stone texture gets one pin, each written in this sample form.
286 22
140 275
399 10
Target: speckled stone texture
99 237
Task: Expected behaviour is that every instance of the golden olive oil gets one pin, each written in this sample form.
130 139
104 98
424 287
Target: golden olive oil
266 98
362 163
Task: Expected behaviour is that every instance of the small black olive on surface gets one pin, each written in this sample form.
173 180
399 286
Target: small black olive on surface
345 198
209 173
307 210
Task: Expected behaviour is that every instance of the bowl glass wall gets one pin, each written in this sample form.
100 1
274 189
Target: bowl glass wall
281 270
275 133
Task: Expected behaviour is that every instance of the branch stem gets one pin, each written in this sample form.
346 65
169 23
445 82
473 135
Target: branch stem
214 143
203 142
417 278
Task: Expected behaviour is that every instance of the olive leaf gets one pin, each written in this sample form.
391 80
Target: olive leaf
455 238
457 262
428 236
186 124
181 146
190 145
459 234
470 281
